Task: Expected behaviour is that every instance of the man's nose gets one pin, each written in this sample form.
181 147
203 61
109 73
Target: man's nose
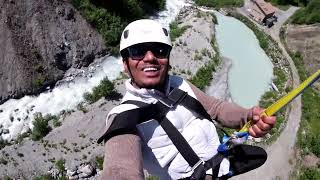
149 56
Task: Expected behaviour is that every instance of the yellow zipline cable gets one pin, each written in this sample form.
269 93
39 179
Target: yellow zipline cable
275 107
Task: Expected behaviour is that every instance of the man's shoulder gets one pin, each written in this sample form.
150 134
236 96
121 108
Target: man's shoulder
122 108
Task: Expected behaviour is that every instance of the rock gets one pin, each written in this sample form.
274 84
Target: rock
73 177
54 173
268 136
83 175
11 118
88 170
257 140
1 110
69 13
5 131
71 173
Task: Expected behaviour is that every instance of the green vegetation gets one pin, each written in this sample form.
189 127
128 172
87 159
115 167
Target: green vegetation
3 143
43 177
310 174
290 2
308 133
219 3
56 122
60 165
203 76
39 82
104 89
40 127
81 107
99 161
7 178
150 177
22 136
108 24
110 17
214 18
309 14
197 56
176 31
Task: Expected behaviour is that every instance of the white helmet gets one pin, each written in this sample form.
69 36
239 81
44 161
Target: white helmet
144 30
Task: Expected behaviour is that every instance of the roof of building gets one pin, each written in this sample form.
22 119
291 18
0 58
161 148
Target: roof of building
266 7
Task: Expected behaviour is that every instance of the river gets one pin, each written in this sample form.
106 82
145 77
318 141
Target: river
251 71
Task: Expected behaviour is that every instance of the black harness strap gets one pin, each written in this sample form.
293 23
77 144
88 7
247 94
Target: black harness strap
188 102
158 111
121 125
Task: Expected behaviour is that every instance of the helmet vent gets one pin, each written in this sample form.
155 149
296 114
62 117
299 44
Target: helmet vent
126 34
165 31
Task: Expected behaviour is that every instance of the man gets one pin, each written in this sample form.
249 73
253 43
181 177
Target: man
145 48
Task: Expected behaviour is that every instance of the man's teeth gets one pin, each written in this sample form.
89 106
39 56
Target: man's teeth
149 69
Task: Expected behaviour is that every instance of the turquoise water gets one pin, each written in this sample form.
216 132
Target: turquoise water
251 70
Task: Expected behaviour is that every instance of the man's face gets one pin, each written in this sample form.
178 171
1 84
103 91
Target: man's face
148 65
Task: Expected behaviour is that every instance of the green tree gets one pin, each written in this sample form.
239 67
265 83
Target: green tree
40 127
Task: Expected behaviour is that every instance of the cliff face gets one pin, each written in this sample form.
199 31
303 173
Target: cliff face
39 41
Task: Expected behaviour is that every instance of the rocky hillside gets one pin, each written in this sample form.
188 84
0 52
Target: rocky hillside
305 39
40 40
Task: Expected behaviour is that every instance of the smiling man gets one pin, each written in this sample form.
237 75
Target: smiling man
164 123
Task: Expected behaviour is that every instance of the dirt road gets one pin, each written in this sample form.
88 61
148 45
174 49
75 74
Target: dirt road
281 158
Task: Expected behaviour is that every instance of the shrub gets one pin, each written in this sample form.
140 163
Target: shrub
60 165
7 178
104 89
176 31
214 18
110 17
220 3
22 136
203 76
40 127
3 143
44 177
310 174
309 14
56 123
39 82
99 161
197 57
82 108
108 24
150 177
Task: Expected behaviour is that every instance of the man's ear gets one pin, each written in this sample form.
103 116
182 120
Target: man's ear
125 65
